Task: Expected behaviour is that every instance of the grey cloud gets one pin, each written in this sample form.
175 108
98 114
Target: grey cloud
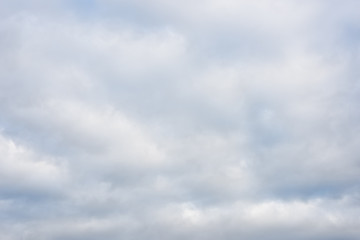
206 120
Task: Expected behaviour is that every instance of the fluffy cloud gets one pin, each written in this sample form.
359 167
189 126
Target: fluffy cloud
200 120
25 172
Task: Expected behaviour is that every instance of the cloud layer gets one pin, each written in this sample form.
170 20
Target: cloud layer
198 120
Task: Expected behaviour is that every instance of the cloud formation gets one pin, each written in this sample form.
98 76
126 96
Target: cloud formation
198 120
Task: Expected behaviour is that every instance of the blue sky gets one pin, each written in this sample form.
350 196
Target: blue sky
201 119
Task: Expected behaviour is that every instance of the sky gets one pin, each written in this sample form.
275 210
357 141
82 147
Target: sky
157 119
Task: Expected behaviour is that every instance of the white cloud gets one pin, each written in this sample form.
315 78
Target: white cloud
198 120
22 170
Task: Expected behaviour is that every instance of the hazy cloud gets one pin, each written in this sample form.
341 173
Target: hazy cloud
198 120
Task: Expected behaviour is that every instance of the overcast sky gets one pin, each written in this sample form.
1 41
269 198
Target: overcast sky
191 119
